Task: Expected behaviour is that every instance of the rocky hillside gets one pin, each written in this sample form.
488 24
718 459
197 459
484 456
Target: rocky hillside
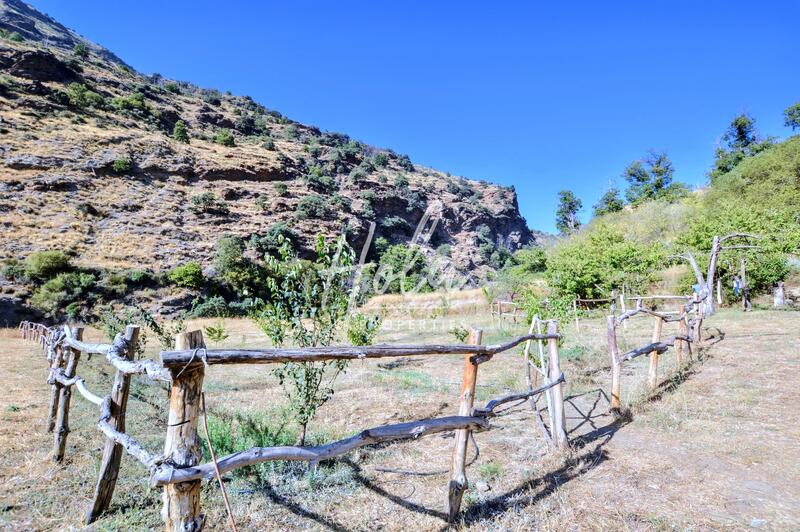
96 159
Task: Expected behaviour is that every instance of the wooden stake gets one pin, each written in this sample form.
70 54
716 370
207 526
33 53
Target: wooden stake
681 345
458 474
112 452
559 428
65 394
55 390
575 312
616 369
181 511
698 321
652 376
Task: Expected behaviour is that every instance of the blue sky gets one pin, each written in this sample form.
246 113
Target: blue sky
544 96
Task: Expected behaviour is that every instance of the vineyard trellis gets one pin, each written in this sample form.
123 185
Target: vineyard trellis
179 471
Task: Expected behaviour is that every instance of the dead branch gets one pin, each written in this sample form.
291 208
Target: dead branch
488 410
166 474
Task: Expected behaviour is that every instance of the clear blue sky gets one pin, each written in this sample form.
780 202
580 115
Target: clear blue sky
544 96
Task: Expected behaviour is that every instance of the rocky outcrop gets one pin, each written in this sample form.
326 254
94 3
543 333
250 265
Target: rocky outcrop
37 65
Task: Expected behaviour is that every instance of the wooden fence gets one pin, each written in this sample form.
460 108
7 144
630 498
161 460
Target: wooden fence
179 469
689 317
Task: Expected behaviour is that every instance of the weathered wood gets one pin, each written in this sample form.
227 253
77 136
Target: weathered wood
680 345
181 511
616 365
652 374
55 389
458 472
649 348
165 474
575 313
115 355
779 296
65 395
559 427
488 410
130 445
185 358
112 452
698 321
59 377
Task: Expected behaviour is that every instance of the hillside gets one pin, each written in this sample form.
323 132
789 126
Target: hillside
90 164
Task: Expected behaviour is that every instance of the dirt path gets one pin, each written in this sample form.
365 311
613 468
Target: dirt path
721 449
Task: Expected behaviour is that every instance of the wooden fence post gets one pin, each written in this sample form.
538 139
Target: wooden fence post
559 428
65 394
181 511
458 473
616 369
698 321
55 389
112 452
652 375
575 313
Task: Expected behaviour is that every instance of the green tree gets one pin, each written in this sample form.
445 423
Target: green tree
402 268
609 202
306 304
567 213
43 265
648 177
740 140
180 132
236 270
791 116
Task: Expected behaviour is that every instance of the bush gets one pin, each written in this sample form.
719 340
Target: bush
401 181
134 103
210 307
313 206
268 144
380 159
403 268
172 87
78 95
362 329
121 166
207 203
139 277
320 183
63 289
80 50
237 271
393 222
271 241
225 138
188 275
281 189
445 250
13 270
180 132
43 265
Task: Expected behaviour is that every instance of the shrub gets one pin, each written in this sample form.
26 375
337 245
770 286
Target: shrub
172 87
313 206
134 102
320 183
281 189
403 268
225 138
114 283
180 132
121 166
78 95
445 250
80 50
139 277
405 162
210 307
271 241
393 222
188 275
401 181
14 270
460 333
234 269
380 159
61 290
43 265
217 333
362 329
11 35
268 144
207 203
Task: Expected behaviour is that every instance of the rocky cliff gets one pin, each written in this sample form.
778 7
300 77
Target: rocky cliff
128 170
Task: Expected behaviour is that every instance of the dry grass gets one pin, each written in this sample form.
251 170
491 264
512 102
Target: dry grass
717 448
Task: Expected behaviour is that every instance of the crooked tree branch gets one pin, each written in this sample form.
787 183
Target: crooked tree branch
488 410
181 359
166 474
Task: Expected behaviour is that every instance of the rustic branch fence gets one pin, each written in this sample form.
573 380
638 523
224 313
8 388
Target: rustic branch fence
179 471
689 317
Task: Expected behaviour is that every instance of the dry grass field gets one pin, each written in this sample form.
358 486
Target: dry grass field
716 447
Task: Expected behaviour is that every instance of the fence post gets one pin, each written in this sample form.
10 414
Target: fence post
575 313
65 394
652 376
458 473
181 511
681 345
55 389
698 320
559 428
112 452
616 370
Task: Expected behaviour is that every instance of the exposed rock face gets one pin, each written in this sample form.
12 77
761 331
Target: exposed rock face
102 176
